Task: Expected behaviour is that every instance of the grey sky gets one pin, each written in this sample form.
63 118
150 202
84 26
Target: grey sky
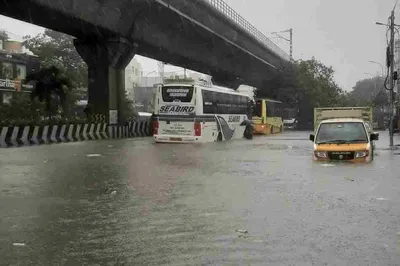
340 33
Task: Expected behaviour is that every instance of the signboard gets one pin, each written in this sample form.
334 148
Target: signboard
113 117
176 109
176 129
15 85
182 94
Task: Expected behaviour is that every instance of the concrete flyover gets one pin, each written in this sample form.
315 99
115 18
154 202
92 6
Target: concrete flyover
203 35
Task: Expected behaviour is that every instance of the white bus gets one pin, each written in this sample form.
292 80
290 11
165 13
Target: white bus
187 112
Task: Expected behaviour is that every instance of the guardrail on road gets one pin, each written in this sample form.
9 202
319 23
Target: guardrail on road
16 136
225 9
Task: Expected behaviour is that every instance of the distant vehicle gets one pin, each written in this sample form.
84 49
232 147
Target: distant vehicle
144 116
187 111
266 117
290 123
344 139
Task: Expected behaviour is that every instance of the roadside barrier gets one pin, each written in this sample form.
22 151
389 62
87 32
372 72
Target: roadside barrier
16 136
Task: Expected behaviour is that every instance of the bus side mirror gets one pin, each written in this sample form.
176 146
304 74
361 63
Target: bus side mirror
312 137
374 136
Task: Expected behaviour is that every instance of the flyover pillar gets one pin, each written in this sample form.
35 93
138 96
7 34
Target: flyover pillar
106 61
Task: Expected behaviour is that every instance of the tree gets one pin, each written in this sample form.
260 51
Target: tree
56 49
308 85
128 112
366 90
51 87
20 108
381 99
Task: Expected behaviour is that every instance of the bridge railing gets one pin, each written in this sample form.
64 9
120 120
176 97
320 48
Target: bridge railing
224 8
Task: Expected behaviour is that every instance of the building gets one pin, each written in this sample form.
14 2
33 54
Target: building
150 81
144 98
133 75
14 67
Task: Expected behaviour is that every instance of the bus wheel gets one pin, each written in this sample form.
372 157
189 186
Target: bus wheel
219 137
280 129
271 130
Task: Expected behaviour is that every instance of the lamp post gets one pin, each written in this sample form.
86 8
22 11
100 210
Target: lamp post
148 76
374 62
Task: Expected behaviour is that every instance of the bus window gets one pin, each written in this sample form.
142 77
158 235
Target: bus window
182 94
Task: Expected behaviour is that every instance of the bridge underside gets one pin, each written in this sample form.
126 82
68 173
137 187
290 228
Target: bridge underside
210 44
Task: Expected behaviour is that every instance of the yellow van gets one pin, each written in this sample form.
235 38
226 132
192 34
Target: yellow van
343 139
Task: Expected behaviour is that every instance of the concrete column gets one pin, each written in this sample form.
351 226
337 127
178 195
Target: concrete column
106 60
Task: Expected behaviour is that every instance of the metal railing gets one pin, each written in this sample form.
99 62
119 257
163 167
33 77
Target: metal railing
231 14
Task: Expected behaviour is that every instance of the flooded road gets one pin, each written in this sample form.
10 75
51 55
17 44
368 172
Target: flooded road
131 202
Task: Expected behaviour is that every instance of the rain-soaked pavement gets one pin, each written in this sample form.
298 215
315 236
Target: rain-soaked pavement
132 202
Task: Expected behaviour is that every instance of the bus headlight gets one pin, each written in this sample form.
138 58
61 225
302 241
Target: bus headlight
321 154
361 154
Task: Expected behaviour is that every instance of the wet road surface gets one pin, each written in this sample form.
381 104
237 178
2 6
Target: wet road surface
131 202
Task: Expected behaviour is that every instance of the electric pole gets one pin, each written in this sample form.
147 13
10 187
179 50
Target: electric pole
391 78
290 40
291 44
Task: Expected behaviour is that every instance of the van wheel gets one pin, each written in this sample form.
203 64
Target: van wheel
219 137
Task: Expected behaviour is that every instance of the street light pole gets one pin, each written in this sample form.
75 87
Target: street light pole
291 43
390 65
391 78
374 62
147 76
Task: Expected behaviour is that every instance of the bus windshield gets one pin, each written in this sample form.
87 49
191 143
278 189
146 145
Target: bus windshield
182 94
338 132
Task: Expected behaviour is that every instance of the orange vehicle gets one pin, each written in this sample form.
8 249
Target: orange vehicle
343 139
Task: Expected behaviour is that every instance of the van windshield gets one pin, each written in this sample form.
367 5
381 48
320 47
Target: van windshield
182 94
342 132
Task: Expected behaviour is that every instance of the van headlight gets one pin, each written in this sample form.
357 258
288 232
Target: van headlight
321 154
361 154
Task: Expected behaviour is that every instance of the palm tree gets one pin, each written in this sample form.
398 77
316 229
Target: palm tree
49 84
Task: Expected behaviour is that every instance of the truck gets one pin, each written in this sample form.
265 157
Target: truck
324 113
343 134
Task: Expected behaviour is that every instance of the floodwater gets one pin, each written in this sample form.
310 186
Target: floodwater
131 202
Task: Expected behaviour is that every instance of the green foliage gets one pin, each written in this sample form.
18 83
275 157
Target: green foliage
4 35
56 49
21 108
306 85
52 87
316 83
369 92
128 112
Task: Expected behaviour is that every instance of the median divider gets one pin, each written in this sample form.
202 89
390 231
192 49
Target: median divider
17 136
